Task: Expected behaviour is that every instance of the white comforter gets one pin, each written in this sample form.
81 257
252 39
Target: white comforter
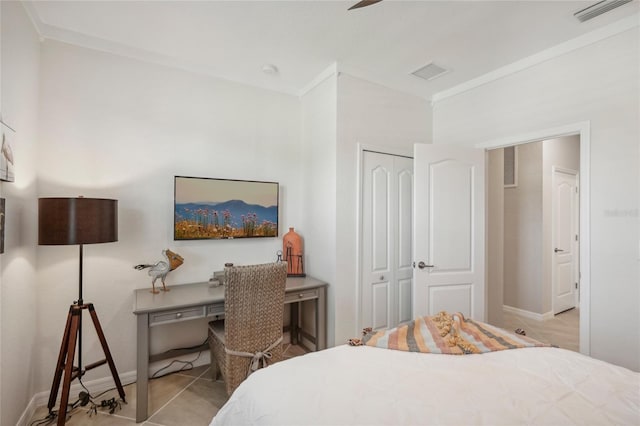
371 386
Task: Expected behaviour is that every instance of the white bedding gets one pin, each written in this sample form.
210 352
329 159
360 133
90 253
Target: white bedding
370 386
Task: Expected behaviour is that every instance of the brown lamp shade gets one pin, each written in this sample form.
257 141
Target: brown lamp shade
66 221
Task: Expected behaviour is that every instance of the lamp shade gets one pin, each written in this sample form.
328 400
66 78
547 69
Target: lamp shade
66 221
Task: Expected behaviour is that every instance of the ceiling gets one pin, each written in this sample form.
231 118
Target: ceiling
382 43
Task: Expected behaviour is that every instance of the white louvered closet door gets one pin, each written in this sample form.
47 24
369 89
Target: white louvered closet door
387 196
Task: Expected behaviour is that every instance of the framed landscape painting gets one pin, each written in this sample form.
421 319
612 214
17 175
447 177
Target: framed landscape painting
207 208
6 154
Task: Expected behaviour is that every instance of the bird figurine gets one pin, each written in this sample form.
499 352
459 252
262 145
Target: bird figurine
161 269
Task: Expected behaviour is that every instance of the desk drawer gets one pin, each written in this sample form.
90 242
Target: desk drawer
176 315
216 310
301 295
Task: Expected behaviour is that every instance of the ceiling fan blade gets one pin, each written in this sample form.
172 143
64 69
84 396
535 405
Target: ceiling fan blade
364 3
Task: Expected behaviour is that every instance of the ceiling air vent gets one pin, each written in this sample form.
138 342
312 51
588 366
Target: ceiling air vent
597 9
430 71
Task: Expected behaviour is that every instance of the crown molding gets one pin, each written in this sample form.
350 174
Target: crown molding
330 71
38 25
587 39
47 31
52 32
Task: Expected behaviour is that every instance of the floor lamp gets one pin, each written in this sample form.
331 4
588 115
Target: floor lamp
77 221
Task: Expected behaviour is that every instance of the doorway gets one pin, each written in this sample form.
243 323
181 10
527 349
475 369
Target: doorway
533 238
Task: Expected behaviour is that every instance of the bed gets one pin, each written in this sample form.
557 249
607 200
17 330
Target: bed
365 385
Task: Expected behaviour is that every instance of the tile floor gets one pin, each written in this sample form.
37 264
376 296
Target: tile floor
563 330
188 398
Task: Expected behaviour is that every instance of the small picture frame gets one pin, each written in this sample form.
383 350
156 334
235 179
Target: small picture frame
7 173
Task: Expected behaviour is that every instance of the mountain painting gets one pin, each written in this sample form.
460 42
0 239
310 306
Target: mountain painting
207 208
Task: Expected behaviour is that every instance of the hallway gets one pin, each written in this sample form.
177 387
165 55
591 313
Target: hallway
563 330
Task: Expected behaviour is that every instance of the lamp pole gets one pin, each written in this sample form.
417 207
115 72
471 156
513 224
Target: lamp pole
80 303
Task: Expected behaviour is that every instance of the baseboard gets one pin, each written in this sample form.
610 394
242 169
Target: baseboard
528 314
27 414
96 386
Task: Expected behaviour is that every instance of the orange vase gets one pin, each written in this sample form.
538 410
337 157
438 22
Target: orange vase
293 253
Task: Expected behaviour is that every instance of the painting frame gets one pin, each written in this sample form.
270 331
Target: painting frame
7 173
224 209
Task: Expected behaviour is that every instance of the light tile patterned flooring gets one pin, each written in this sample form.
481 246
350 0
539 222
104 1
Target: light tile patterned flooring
563 330
187 398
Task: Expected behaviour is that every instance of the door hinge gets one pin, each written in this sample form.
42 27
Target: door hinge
576 286
576 237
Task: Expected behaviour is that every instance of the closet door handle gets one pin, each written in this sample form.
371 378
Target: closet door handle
557 250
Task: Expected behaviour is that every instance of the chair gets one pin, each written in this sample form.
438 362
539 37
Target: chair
250 336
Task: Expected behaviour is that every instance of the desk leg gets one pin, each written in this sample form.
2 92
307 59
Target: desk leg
321 319
142 369
294 322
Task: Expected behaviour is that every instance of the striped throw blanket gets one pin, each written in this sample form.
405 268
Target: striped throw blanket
445 334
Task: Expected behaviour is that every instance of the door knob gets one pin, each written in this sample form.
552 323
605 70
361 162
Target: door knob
381 277
423 265
557 250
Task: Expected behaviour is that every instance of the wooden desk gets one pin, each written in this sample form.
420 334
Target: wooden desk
202 300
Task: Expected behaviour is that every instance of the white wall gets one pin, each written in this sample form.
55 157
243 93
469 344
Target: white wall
523 232
318 202
378 117
18 287
598 83
118 128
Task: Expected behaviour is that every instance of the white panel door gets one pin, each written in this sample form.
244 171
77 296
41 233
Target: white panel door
403 230
387 197
449 230
565 210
